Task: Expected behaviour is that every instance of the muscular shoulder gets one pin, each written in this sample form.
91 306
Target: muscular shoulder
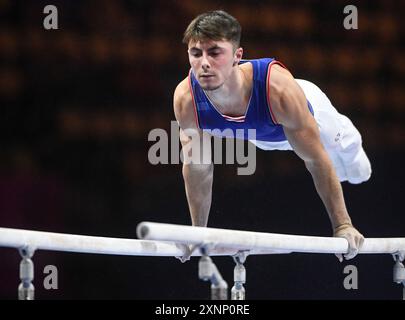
280 80
287 100
183 105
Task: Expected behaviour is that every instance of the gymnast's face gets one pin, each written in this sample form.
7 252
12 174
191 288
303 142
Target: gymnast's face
213 62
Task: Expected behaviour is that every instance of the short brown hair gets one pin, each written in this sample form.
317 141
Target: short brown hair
214 25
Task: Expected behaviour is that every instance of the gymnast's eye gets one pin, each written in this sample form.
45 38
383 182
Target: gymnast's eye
195 53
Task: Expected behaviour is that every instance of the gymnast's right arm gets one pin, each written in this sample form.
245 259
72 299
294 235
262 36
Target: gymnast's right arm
197 173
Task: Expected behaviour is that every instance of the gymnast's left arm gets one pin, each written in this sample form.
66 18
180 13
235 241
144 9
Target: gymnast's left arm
290 109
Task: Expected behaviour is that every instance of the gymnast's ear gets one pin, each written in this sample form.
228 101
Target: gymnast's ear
238 56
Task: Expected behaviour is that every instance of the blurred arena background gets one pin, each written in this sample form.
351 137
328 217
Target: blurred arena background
77 104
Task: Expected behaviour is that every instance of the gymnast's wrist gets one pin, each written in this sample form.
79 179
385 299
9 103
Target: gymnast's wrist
341 226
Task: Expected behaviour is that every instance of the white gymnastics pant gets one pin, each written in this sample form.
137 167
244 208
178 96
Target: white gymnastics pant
339 136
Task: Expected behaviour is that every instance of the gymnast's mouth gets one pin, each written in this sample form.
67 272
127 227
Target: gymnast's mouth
206 76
